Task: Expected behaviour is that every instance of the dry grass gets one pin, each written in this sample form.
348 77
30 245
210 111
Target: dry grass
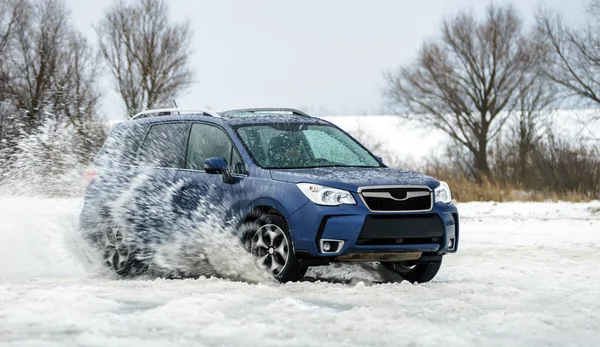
464 190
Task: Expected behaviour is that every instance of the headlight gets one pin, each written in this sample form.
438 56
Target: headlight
321 195
442 193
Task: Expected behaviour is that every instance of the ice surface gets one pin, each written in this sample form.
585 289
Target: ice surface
526 274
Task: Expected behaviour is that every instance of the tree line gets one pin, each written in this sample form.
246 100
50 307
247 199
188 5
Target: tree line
490 82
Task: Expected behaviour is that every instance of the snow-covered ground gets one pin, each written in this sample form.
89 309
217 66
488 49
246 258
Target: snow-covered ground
526 274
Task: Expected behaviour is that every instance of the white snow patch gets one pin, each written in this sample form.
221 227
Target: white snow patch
528 210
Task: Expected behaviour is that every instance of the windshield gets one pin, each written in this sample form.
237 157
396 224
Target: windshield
291 146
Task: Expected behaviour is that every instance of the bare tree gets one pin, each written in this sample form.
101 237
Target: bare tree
74 91
38 54
575 66
466 81
534 101
13 14
53 70
146 53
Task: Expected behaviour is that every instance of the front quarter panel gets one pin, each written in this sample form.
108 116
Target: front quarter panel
282 196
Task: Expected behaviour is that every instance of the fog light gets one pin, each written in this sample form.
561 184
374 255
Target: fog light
330 246
450 243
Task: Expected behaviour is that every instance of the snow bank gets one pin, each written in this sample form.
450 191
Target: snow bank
529 210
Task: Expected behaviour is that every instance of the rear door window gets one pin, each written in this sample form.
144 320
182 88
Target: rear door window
208 141
164 146
122 145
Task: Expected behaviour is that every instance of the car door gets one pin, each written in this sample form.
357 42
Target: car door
161 154
209 141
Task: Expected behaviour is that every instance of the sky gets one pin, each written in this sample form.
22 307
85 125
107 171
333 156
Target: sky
321 56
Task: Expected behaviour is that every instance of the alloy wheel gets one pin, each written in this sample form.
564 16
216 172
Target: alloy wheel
271 246
117 251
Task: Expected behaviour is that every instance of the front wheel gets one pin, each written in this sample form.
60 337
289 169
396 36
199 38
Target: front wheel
415 272
271 243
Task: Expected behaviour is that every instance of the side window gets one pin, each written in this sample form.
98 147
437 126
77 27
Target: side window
207 141
163 146
122 145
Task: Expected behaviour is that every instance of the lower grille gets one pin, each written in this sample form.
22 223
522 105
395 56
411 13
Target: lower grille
401 229
402 241
400 199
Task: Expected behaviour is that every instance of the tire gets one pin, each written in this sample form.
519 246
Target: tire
269 239
118 253
415 272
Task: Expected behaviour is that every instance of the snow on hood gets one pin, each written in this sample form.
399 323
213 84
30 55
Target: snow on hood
352 178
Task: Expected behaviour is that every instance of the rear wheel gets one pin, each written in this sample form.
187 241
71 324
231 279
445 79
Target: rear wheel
415 272
270 242
118 253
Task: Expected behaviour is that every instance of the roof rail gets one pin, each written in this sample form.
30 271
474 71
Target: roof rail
269 110
158 112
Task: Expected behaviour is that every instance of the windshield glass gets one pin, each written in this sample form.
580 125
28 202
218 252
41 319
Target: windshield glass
290 146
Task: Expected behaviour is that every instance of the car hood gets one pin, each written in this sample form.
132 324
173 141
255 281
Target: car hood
353 178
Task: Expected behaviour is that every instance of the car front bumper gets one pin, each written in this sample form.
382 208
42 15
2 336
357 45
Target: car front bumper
363 234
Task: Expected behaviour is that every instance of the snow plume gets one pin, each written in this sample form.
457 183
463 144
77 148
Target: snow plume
47 161
168 240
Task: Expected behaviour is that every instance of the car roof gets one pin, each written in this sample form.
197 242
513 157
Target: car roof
241 117
238 117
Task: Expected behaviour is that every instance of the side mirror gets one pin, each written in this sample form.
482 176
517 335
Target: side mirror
218 165
380 159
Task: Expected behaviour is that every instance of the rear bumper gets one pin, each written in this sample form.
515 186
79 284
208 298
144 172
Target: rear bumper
369 233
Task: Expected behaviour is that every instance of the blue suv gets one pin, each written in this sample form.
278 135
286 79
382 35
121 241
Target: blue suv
307 193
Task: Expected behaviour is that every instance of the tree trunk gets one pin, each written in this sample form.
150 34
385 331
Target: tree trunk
523 155
481 161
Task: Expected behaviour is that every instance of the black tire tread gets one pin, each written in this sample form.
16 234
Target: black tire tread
421 273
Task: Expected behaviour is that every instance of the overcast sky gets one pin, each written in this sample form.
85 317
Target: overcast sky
312 54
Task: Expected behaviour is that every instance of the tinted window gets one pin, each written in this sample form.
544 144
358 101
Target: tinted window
122 145
288 146
207 141
163 146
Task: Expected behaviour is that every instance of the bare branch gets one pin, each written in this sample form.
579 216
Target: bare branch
52 68
466 82
13 15
147 55
575 54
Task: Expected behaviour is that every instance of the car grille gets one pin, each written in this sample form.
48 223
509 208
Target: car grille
400 199
405 229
